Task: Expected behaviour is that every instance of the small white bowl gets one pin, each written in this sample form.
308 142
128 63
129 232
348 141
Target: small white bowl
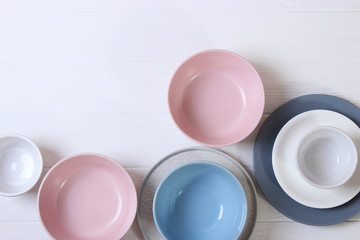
326 157
20 165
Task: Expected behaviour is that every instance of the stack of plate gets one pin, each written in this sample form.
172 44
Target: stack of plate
275 156
181 158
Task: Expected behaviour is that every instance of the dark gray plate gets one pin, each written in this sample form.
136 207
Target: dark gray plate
166 165
263 162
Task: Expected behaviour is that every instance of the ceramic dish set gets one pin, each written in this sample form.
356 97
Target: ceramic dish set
276 158
305 161
207 188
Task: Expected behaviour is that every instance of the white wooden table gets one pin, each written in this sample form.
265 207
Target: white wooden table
92 76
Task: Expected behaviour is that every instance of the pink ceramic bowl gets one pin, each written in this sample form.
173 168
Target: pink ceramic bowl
87 196
216 98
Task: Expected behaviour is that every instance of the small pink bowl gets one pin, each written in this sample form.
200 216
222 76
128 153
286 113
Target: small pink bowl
87 196
216 98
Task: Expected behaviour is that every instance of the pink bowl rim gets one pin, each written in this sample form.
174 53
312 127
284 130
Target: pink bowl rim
215 51
104 157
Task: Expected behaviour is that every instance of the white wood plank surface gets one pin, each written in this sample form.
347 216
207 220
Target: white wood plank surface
92 76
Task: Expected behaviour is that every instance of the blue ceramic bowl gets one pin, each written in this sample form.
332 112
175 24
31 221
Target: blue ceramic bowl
200 200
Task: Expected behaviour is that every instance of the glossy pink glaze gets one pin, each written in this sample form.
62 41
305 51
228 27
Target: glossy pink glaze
87 196
216 98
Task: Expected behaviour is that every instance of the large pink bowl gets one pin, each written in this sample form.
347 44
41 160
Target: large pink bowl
216 98
87 196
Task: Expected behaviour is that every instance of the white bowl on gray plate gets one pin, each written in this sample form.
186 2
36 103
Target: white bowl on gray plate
326 157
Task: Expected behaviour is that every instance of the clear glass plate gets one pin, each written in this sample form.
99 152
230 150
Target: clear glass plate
166 165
